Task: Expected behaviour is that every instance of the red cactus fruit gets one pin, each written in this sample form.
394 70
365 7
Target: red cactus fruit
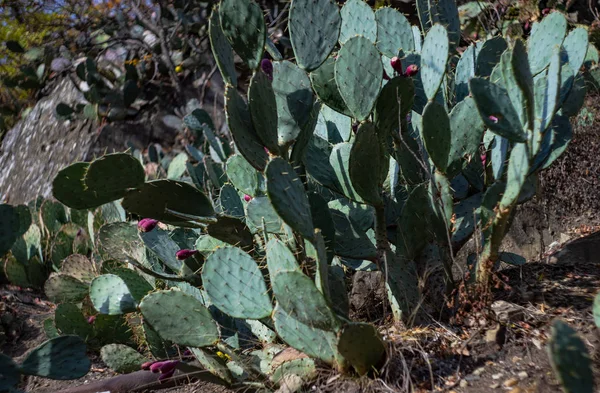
396 64
147 224
184 254
411 70
247 198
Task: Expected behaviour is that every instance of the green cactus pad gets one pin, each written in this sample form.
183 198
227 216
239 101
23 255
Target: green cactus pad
368 151
322 266
235 284
53 216
547 95
434 58
362 215
358 74
298 296
179 318
242 175
177 166
221 49
111 294
323 221
287 195
303 140
243 24
62 288
316 343
570 359
465 70
576 46
240 125
280 258
394 32
518 167
84 186
357 19
362 346
499 149
263 110
61 358
9 227
387 109
488 55
522 74
112 329
163 246
414 222
576 97
153 198
121 358
493 100
464 224
15 272
68 319
78 266
402 287
323 83
333 126
120 241
212 363
339 161
467 132
294 98
437 135
350 240
259 209
230 202
9 374
312 45
545 35
596 310
231 230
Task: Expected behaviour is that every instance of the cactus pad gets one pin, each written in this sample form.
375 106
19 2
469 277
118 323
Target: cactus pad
242 175
153 198
358 19
437 135
367 150
467 132
314 27
110 294
434 58
121 358
243 25
358 74
362 346
263 110
62 288
394 32
287 195
9 374
179 318
570 359
323 83
545 35
61 358
240 125
221 49
235 284
280 258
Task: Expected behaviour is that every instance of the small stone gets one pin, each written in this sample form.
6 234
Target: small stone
522 375
464 383
495 385
479 371
497 376
516 359
510 382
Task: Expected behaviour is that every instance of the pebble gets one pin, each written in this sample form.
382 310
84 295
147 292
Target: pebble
522 375
479 371
510 382
497 376
494 385
463 383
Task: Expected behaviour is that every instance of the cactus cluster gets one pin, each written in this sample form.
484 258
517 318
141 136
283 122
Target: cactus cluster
380 148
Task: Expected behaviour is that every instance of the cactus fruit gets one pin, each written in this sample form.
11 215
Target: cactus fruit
396 64
147 224
185 254
411 70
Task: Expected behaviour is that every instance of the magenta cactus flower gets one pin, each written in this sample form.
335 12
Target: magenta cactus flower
247 198
493 119
91 319
267 68
396 64
411 70
147 224
185 254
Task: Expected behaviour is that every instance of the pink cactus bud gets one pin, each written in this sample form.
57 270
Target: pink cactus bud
266 150
168 366
164 376
385 76
483 159
147 224
396 64
146 366
545 11
91 319
267 68
185 254
247 198
493 119
411 70
186 353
